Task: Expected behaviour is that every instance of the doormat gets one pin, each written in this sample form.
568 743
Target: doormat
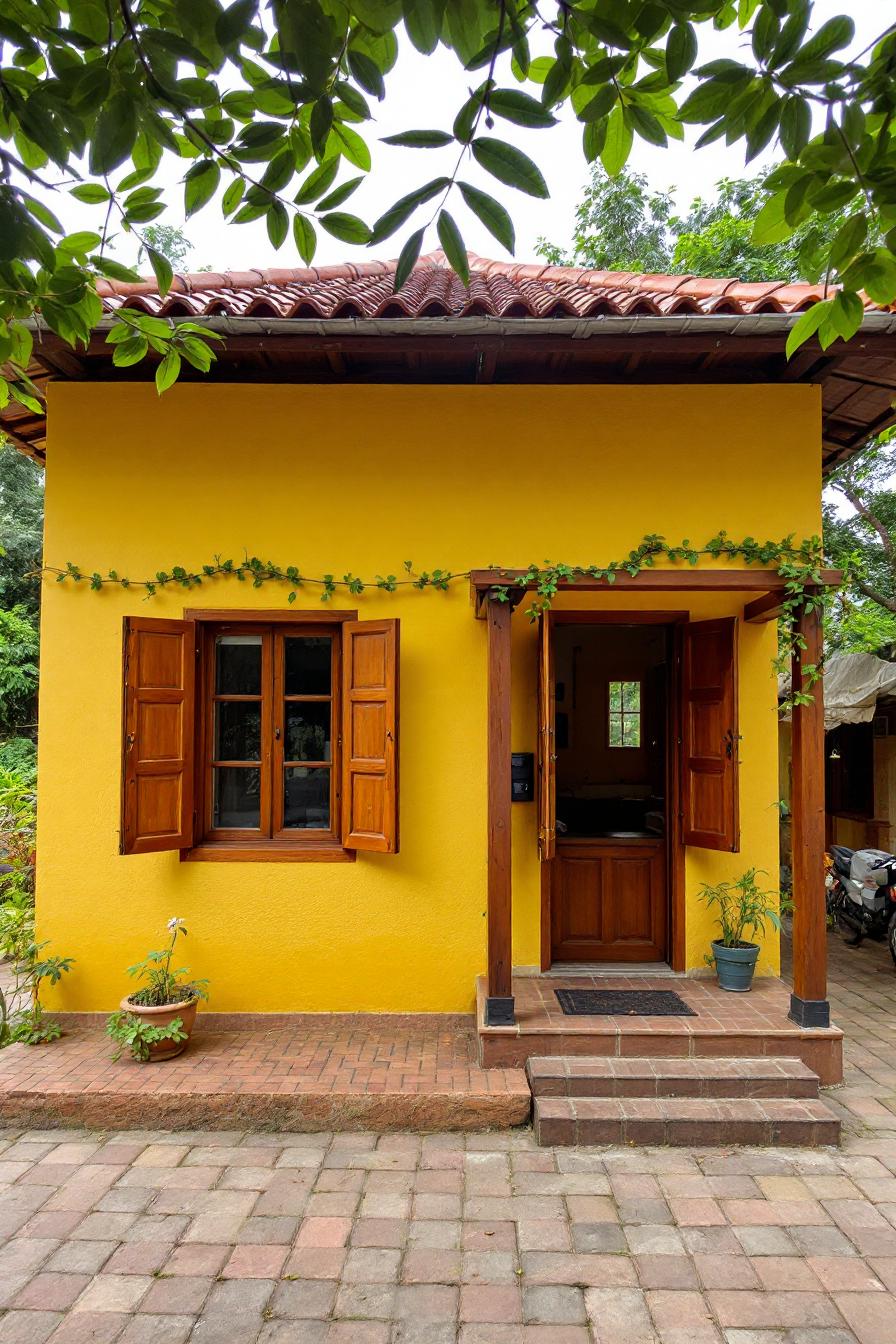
622 1003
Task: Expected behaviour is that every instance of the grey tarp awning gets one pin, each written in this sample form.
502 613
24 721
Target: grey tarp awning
853 684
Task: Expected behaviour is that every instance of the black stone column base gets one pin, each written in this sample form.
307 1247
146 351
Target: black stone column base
499 1013
809 1012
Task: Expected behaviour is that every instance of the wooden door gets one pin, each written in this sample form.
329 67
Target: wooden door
710 737
608 901
547 744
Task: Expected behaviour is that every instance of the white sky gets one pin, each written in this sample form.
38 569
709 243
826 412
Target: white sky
426 92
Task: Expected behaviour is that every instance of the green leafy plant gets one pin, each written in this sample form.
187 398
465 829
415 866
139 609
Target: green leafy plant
163 985
129 1032
18 822
743 908
31 1026
799 563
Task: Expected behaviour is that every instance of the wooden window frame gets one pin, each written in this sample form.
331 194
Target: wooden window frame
236 845
620 714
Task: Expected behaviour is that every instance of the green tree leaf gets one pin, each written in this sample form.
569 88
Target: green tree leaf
617 142
348 228
420 139
306 238
509 165
520 108
453 245
806 326
200 185
167 371
407 258
491 213
161 269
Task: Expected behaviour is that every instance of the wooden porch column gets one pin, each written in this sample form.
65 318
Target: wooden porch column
499 1000
808 1002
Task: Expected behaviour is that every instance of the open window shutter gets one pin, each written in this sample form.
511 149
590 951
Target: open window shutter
370 735
709 733
547 743
157 752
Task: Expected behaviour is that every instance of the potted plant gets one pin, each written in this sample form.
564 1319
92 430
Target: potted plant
156 1021
742 909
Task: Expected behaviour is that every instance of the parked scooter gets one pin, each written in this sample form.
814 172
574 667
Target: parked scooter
861 894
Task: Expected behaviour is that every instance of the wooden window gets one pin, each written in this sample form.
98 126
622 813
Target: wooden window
258 769
624 714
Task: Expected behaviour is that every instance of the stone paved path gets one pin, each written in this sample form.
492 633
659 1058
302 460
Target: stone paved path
235 1238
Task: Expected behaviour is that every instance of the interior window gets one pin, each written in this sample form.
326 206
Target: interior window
624 714
271 702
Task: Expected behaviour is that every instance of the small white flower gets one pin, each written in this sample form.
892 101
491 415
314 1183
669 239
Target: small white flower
174 923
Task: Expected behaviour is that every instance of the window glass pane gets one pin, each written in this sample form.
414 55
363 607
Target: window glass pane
237 804
306 798
237 731
631 695
631 730
307 665
238 665
307 731
615 730
615 697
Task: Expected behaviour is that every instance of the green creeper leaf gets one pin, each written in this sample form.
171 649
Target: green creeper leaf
509 165
453 246
200 185
162 269
807 325
796 126
420 139
520 108
167 372
348 228
91 193
306 238
617 143
407 258
681 50
491 213
402 210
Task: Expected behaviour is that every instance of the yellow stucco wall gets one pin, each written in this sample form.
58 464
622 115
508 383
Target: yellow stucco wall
359 479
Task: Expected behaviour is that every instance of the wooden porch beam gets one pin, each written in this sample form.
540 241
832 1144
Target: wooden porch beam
808 1002
765 608
499 994
682 580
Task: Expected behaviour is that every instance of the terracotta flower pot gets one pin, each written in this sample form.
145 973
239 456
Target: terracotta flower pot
163 1016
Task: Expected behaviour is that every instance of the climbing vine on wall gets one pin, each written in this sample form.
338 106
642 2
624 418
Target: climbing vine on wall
798 563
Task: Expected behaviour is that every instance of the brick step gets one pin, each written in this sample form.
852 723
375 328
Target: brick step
606 1076
685 1121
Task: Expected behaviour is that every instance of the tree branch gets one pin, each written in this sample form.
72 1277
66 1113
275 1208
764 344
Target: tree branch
888 603
870 518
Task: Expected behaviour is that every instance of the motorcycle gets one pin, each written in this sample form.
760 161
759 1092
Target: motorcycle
861 893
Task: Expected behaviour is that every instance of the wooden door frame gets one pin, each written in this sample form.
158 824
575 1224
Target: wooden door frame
675 853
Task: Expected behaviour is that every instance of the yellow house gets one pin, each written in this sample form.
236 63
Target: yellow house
320 700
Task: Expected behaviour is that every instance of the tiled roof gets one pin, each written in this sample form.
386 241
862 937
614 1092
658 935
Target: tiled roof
496 289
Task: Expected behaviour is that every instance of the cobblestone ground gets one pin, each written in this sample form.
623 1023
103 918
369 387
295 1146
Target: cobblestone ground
232 1238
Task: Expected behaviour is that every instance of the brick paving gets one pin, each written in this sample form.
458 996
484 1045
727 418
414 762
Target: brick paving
357 1238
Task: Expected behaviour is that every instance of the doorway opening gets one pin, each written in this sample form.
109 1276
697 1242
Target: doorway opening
609 878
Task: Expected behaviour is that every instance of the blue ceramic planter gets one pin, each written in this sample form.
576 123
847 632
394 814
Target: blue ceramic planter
735 966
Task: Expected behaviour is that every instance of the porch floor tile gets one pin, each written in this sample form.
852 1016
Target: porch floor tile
336 1072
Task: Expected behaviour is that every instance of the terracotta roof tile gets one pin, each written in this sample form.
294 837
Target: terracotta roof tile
496 289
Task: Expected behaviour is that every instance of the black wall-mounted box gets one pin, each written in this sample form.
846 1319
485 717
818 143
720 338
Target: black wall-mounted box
522 776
